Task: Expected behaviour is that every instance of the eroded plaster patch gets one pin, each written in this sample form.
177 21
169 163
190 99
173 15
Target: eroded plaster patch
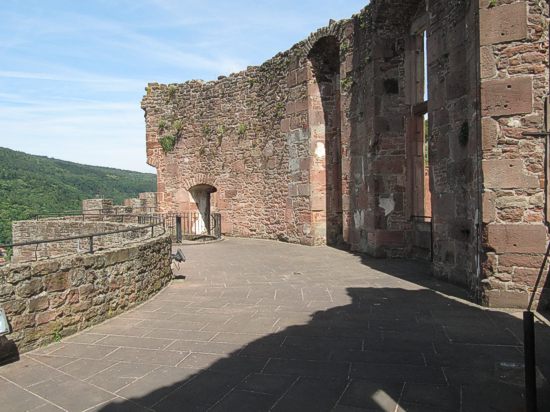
387 203
358 218
320 149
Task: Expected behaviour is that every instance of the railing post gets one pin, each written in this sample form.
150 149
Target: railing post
92 245
530 365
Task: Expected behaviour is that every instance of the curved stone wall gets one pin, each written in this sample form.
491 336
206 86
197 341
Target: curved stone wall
49 299
45 229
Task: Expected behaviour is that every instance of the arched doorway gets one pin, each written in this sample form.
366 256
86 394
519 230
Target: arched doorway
201 224
326 158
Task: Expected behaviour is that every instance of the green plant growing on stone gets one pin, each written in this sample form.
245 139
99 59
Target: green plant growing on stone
241 129
57 336
167 143
492 3
172 92
279 110
362 21
163 124
220 133
346 84
177 127
344 48
206 130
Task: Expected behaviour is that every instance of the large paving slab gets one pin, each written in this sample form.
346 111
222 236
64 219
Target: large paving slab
259 325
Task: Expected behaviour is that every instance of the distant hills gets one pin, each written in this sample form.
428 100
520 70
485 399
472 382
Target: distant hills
36 185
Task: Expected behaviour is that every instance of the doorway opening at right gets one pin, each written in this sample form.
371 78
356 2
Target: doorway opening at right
420 195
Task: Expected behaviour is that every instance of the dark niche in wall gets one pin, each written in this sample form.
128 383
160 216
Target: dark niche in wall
391 86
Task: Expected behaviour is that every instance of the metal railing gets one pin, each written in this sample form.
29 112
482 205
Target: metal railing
192 225
425 221
146 223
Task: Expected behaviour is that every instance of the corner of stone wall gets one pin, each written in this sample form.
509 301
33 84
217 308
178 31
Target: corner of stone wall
514 85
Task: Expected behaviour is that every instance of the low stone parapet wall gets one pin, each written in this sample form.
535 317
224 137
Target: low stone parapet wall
52 298
58 228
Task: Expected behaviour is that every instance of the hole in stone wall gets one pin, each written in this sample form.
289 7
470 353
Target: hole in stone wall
391 86
464 134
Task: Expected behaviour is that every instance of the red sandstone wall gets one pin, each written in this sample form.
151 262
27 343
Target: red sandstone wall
231 139
58 297
487 76
514 72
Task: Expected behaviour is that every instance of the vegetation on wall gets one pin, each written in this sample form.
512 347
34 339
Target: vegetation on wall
35 185
167 142
241 129
346 84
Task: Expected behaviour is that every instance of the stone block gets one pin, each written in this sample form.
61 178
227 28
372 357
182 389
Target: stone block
38 303
29 288
389 238
488 63
56 282
489 210
46 317
507 174
506 299
507 96
503 23
15 307
525 276
489 133
510 238
520 260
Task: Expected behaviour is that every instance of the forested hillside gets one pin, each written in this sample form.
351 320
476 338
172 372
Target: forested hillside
34 185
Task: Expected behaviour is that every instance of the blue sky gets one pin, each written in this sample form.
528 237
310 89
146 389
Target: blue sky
72 73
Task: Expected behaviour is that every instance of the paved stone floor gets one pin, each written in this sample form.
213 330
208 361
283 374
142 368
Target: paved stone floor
260 325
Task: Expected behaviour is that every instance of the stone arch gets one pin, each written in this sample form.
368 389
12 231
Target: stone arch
333 30
324 97
199 179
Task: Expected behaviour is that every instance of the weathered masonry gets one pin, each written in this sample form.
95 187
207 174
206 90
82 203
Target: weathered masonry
398 132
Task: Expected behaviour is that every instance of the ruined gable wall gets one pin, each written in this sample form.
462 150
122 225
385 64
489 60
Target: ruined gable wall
231 139
515 82
248 136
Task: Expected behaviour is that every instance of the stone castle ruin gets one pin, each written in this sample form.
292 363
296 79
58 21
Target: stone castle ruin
398 132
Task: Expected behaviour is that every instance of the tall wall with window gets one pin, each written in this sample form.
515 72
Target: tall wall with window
387 133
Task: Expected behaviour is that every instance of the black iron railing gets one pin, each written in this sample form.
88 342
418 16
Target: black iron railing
193 225
424 224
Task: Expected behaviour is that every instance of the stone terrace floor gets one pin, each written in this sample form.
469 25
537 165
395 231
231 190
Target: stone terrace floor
260 325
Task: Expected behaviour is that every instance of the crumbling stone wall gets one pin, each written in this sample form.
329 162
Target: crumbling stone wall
317 146
57 297
514 85
145 203
229 137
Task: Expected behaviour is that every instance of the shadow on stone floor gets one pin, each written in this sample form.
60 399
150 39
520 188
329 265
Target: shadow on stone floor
417 348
